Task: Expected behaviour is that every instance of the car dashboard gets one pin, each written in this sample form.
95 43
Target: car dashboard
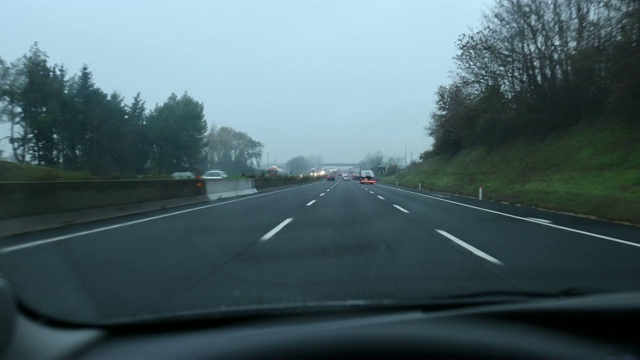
586 327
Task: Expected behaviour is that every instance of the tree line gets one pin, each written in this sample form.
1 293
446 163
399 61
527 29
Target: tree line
375 160
302 165
234 151
536 66
68 122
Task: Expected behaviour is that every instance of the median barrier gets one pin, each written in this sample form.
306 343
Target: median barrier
20 199
224 188
32 206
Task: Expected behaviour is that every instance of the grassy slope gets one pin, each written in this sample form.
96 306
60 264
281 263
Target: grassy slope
592 169
25 172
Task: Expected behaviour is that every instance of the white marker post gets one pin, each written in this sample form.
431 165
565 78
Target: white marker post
480 193
419 186
396 183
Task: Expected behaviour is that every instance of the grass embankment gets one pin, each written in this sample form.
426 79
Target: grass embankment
591 169
25 172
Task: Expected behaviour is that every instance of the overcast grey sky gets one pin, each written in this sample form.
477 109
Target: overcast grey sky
332 78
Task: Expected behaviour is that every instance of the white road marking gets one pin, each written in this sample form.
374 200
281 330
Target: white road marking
372 192
525 219
380 197
81 233
541 220
322 194
311 202
401 209
268 235
470 248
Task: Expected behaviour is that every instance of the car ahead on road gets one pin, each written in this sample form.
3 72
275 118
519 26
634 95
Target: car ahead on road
214 174
367 177
183 175
345 177
366 180
331 177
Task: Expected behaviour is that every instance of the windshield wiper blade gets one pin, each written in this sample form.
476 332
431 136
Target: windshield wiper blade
499 294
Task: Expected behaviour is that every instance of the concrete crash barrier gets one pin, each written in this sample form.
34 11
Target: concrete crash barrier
224 188
33 206
36 198
25 224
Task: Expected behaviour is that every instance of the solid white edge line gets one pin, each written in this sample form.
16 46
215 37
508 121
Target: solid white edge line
58 238
311 202
401 209
475 251
273 231
380 197
523 218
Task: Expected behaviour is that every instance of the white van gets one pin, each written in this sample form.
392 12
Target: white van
367 177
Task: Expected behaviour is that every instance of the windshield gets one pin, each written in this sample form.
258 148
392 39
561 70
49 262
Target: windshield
490 147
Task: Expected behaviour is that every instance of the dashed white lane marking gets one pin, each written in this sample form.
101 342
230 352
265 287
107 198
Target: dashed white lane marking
401 209
311 202
268 235
380 197
524 218
470 248
322 194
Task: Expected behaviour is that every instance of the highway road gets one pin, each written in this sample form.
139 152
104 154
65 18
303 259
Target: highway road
321 243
